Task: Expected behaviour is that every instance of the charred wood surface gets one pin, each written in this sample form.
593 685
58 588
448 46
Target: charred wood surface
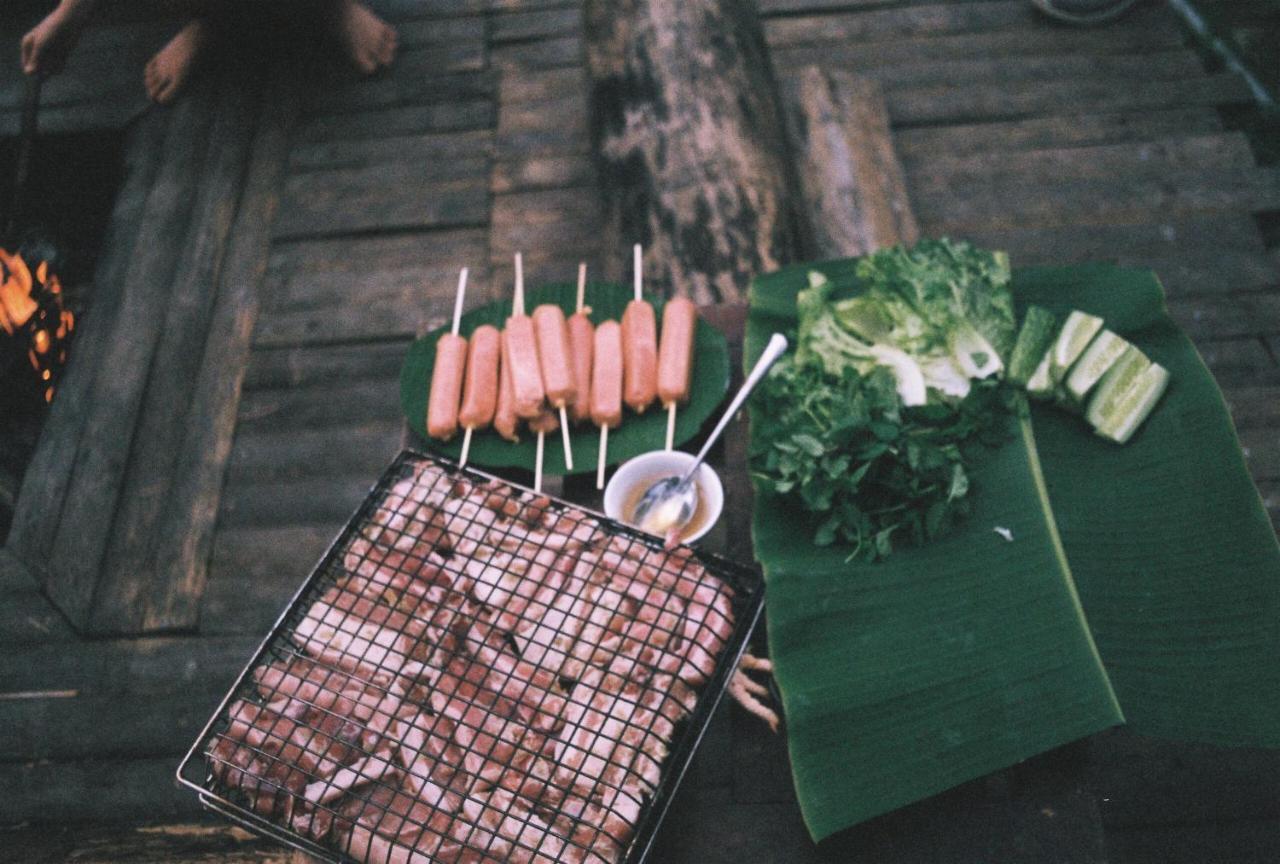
689 142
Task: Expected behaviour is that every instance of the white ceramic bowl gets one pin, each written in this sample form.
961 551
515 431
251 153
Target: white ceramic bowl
648 468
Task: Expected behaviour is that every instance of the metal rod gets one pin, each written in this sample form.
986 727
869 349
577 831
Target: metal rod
26 141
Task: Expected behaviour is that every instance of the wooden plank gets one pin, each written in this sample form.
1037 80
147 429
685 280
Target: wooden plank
313 501
1003 201
255 571
361 445
1076 130
142 667
811 34
541 85
427 73
129 580
1225 151
1011 70
526 174
535 25
1261 452
848 24
1193 256
437 31
104 790
185 530
312 366
1254 406
423 84
544 54
1145 781
25 614
98 467
186 842
937 104
114 726
1228 841
461 114
48 475
1235 362
854 195
360 153
301 408
399 197
543 128
307 270
1222 316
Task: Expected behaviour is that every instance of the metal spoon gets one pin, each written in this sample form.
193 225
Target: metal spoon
668 505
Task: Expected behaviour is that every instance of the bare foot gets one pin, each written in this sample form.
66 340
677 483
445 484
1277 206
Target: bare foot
169 69
46 46
370 42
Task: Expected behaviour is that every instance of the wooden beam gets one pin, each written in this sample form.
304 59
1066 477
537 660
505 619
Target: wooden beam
854 192
184 536
118 513
689 140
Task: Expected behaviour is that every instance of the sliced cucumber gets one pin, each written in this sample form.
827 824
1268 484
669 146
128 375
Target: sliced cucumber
1038 331
1114 386
1074 337
1040 384
1101 355
1129 412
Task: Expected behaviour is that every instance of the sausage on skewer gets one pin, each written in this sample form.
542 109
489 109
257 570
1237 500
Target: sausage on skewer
543 423
505 421
675 358
522 350
556 363
640 342
606 388
581 345
446 375
480 390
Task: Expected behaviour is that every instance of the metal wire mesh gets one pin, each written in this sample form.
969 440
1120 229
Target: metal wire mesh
477 673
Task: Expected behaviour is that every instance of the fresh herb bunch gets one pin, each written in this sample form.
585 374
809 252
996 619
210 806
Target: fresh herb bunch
882 474
869 424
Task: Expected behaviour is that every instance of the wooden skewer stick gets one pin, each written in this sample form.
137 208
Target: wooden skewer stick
457 301
639 278
537 464
604 449
457 322
518 309
564 437
671 425
517 306
582 284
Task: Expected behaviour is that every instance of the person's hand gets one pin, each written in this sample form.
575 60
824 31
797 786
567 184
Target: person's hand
45 48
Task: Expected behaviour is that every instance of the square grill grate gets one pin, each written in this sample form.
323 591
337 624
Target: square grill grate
474 672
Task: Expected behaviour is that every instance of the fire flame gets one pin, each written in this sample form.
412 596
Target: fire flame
32 309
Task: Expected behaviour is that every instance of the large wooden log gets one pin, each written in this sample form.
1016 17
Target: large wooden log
853 188
689 142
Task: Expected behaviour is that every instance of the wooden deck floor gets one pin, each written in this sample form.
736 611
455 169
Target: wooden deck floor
1058 145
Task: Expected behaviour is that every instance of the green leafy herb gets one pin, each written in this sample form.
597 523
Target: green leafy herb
894 376
879 473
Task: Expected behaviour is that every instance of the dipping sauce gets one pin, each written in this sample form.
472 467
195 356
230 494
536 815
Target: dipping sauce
631 500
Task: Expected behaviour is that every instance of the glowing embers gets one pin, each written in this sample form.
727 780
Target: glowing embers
34 318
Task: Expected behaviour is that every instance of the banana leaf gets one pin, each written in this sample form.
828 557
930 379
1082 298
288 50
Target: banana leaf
1172 550
943 663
